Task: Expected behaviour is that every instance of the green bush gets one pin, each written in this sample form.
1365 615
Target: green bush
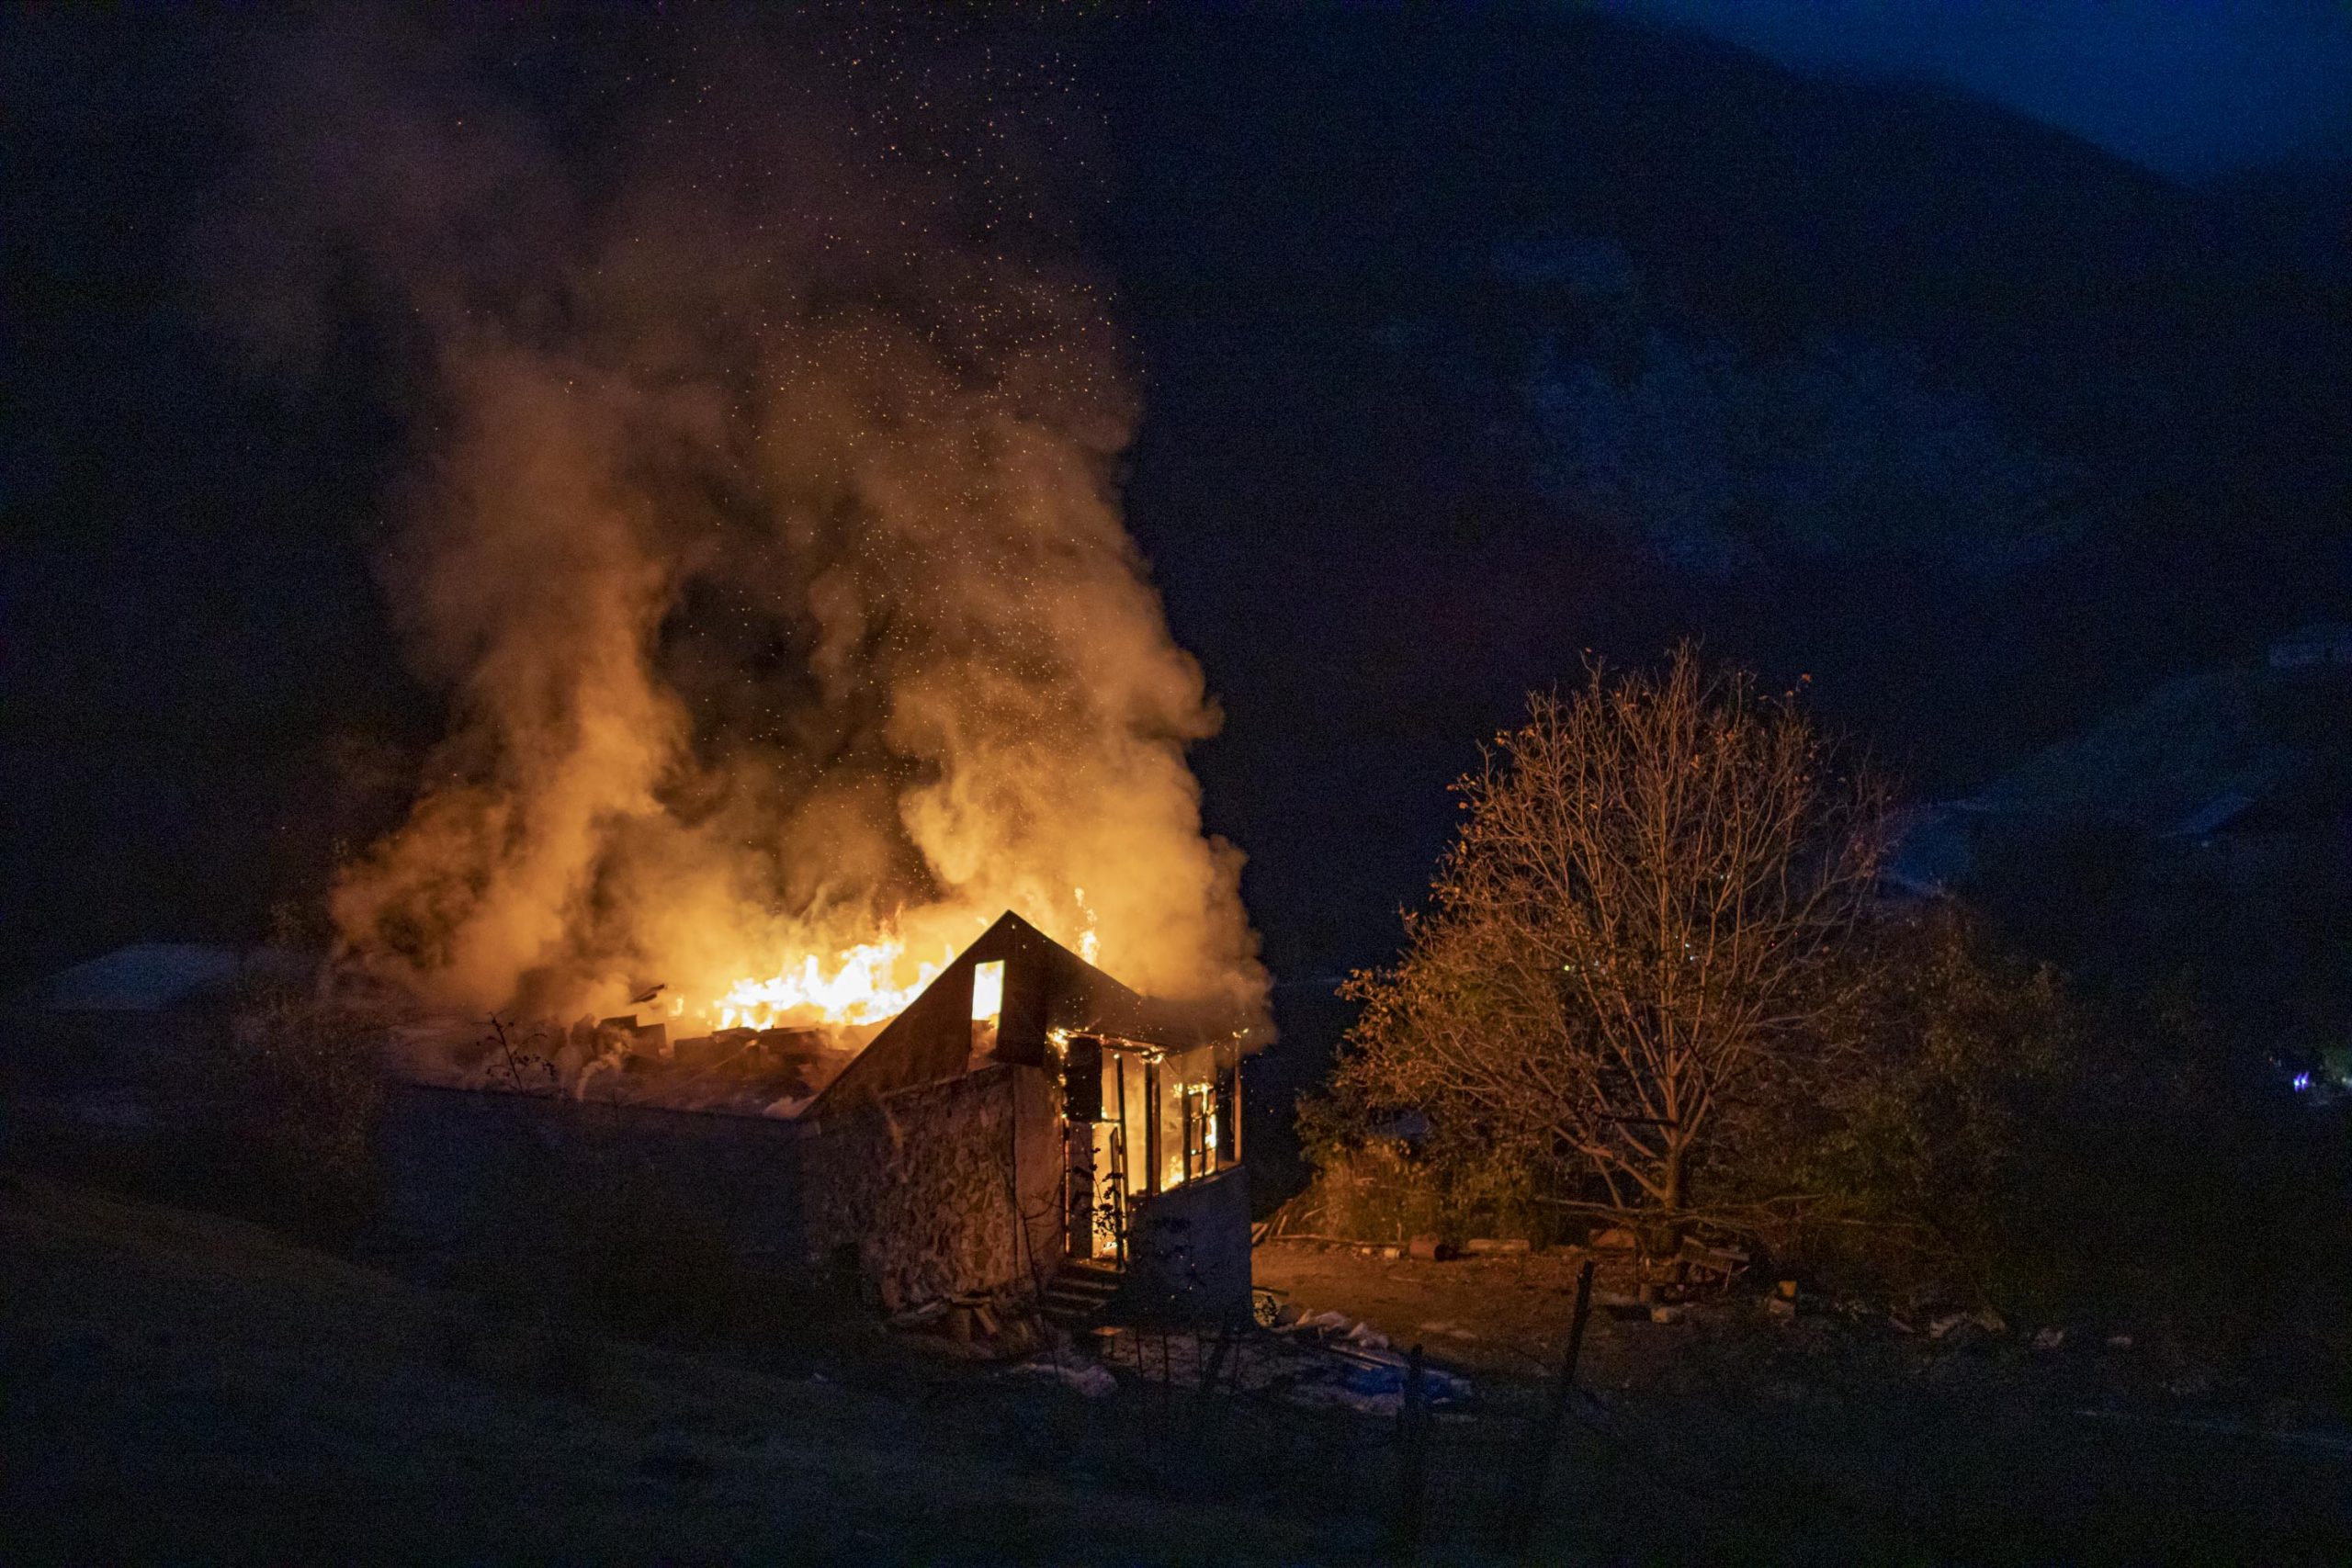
2086 1160
283 1100
1373 1186
1899 1159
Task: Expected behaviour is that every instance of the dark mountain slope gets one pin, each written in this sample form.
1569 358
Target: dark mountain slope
1335 475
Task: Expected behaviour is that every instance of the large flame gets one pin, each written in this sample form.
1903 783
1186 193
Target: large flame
869 983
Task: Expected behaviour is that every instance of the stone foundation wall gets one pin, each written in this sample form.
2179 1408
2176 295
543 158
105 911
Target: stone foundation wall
470 1172
921 1186
952 1187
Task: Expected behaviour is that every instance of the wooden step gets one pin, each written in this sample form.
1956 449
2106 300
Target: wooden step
1084 1300
1079 1293
1090 1279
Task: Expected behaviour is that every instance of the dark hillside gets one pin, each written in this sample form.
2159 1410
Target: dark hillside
1337 326
182 1388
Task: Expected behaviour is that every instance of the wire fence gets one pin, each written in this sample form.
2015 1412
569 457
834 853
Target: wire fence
1400 1463
1401 1459
1809 1441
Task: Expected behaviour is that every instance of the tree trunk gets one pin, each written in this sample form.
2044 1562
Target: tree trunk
1666 1241
1677 1163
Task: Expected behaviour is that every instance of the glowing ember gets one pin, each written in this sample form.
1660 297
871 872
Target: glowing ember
866 984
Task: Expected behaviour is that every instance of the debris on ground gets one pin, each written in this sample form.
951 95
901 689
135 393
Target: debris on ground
1089 1378
971 1324
1449 1331
1958 1328
1326 1359
922 1316
1717 1265
1377 1388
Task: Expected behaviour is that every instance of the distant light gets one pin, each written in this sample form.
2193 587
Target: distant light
2302 1082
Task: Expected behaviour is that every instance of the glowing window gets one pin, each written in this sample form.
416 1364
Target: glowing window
988 991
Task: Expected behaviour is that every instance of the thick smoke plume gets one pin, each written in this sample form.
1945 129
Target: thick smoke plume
762 529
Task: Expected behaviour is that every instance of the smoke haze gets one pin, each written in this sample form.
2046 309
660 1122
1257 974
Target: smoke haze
760 525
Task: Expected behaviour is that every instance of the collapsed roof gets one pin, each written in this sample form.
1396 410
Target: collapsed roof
788 1072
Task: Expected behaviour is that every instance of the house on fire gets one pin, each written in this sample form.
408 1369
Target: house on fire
1025 1123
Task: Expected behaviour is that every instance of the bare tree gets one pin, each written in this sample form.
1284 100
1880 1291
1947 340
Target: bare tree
1641 920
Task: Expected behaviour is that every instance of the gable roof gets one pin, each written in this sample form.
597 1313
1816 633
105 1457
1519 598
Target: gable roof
1047 989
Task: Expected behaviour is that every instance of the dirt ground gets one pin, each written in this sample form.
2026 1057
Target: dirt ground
1505 1314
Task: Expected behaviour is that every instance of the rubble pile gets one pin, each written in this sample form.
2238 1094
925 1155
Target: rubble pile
769 1072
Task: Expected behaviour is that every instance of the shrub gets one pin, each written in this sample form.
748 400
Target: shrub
2070 1159
284 1102
1900 1162
1370 1184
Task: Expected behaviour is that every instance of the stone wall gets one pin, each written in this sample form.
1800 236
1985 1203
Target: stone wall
474 1172
929 1188
952 1187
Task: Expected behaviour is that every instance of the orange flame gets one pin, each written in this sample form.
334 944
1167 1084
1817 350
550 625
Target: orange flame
869 982
860 985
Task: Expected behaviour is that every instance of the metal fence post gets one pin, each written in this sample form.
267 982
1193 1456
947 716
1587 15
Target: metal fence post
1536 1468
1412 1460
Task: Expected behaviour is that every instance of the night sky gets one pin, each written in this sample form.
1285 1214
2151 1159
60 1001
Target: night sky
1390 283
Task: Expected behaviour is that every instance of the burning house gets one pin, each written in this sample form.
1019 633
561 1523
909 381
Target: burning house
1024 1118
760 536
